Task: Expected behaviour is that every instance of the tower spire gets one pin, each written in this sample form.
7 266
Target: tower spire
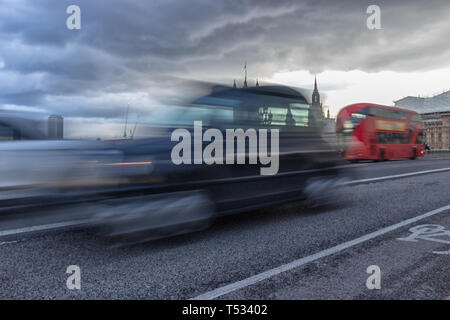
245 79
315 94
234 84
257 83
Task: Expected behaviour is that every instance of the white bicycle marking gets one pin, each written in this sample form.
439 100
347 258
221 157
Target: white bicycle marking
429 232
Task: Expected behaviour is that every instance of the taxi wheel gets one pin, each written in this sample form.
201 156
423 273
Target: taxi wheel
324 192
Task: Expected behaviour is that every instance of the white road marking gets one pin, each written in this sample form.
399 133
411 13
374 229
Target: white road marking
43 227
429 232
8 242
395 176
297 263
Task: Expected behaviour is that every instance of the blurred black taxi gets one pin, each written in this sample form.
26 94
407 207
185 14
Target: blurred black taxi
134 190
189 196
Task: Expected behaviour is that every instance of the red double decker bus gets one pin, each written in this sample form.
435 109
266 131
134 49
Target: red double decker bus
376 132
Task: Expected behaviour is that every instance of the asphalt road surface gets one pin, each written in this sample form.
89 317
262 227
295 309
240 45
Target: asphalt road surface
400 225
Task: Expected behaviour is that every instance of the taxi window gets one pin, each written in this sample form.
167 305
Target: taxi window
292 114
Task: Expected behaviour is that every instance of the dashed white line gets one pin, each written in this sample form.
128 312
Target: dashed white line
51 226
8 242
297 263
395 176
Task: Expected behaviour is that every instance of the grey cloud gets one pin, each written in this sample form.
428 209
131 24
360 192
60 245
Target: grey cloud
124 47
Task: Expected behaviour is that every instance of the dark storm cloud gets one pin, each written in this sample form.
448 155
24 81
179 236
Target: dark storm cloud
124 47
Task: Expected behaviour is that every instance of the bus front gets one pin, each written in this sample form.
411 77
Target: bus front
351 131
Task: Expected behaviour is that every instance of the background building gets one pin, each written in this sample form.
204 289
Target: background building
435 112
55 127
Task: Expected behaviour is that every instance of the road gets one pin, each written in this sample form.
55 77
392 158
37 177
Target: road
288 252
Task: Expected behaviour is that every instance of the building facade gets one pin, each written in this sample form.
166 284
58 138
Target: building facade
435 112
55 127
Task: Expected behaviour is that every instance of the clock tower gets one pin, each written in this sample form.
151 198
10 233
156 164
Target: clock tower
315 94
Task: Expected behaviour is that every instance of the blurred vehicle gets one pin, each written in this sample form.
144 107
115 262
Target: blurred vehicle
375 132
188 197
133 191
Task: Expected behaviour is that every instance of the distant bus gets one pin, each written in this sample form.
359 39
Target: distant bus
375 132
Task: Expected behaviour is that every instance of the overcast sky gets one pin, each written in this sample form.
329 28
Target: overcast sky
128 51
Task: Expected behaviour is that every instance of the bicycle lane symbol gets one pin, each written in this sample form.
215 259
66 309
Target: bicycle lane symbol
430 232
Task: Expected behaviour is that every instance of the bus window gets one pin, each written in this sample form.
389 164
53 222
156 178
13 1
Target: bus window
420 138
388 114
415 118
356 118
393 138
